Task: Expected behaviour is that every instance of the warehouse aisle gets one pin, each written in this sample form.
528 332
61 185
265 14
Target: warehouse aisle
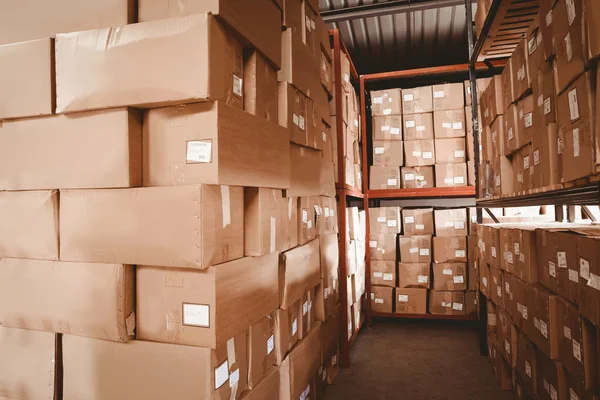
417 360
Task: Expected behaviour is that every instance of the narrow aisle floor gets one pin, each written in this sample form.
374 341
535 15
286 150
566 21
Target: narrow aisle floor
417 360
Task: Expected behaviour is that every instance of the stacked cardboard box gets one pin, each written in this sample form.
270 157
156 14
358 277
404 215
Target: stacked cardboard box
403 278
356 246
167 209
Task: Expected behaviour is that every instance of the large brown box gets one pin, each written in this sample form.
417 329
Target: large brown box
507 84
472 278
415 249
496 136
210 65
305 171
473 250
26 79
542 76
326 219
31 364
417 221
417 100
592 26
471 303
510 130
451 175
290 224
547 260
414 275
299 271
292 113
417 177
494 105
545 325
99 369
112 138
383 273
260 86
588 250
388 127
520 70
507 338
547 163
450 151
450 276
526 363
298 370
496 286
216 144
449 124
448 96
485 280
201 309
382 299
551 382
546 22
93 300
418 126
261 349
329 249
575 388
327 297
306 219
386 102
450 249
446 303
184 226
526 121
265 211
451 222
569 261
267 388
568 30
383 246
388 153
382 178
286 329
383 220
411 301
29 226
419 153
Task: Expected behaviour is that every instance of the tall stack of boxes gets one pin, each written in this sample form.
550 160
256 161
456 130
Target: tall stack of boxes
419 261
196 242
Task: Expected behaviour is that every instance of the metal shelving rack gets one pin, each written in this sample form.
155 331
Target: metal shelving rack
344 192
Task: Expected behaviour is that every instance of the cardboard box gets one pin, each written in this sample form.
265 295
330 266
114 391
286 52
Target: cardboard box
299 67
384 220
471 303
521 163
507 338
589 270
546 26
568 249
111 137
451 175
419 153
286 329
551 382
306 219
503 176
417 177
567 29
293 112
82 70
450 151
299 271
547 260
313 132
208 318
415 249
309 31
351 259
486 280
492 318
544 333
472 277
353 223
386 102
383 273
576 130
387 128
326 219
382 299
417 100
592 23
520 70
496 286
330 334
307 313
383 246
99 369
31 363
388 153
290 224
547 163
451 222
299 368
449 123
418 221
526 120
29 226
497 136
20 23
450 249
510 129
446 303
326 133
264 214
495 103
542 78
526 363
412 275
305 172
261 349
267 388
418 126
160 228
382 178
448 96
326 72
411 301
329 254
56 296
327 297
260 86
507 84
26 79
575 388
450 276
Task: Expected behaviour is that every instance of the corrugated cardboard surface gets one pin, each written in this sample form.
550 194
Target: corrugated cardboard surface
264 213
417 221
386 102
330 332
451 222
589 296
30 364
567 31
388 153
382 299
383 246
417 100
383 273
450 151
329 251
261 349
299 272
450 249
419 152
387 127
306 219
415 249
267 388
448 96
38 19
417 177
299 368
449 123
298 66
27 79
414 275
305 174
99 369
411 301
286 329
260 87
93 300
293 112
89 150
446 303
184 226
290 224
29 226
418 126
520 78
385 220
209 65
327 297
550 375
450 276
384 177
451 175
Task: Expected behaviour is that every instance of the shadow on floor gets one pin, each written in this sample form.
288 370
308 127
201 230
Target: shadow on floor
417 360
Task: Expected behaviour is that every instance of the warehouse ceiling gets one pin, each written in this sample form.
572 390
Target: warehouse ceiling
390 35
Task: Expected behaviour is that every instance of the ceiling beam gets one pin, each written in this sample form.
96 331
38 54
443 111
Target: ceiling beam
387 8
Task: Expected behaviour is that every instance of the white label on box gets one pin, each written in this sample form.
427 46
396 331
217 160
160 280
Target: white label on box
373 244
448 181
506 346
528 120
221 374
347 78
571 14
427 155
577 350
422 278
584 268
447 125
457 125
196 315
447 271
409 177
507 287
499 291
295 326
413 250
495 279
392 223
388 277
553 393
484 281
459 225
493 251
524 312
309 224
387 111
460 253
385 128
402 298
567 332
234 377
540 100
409 220
305 308
377 100
421 128
528 369
237 86
438 94
508 256
520 117
510 134
568 46
380 219
378 274
573 395
409 97
301 122
421 178
457 306
449 224
536 157
199 151
594 281
573 276
379 150
459 279
423 252
549 18
459 180
561 256
576 142
544 329
552 269
394 131
416 154
312 25
547 106
372 296
497 179
546 386
326 293
392 182
459 154
531 45
419 227
526 162
378 301
536 323
324 137
410 124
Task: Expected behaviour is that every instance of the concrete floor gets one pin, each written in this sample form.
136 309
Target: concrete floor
417 360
